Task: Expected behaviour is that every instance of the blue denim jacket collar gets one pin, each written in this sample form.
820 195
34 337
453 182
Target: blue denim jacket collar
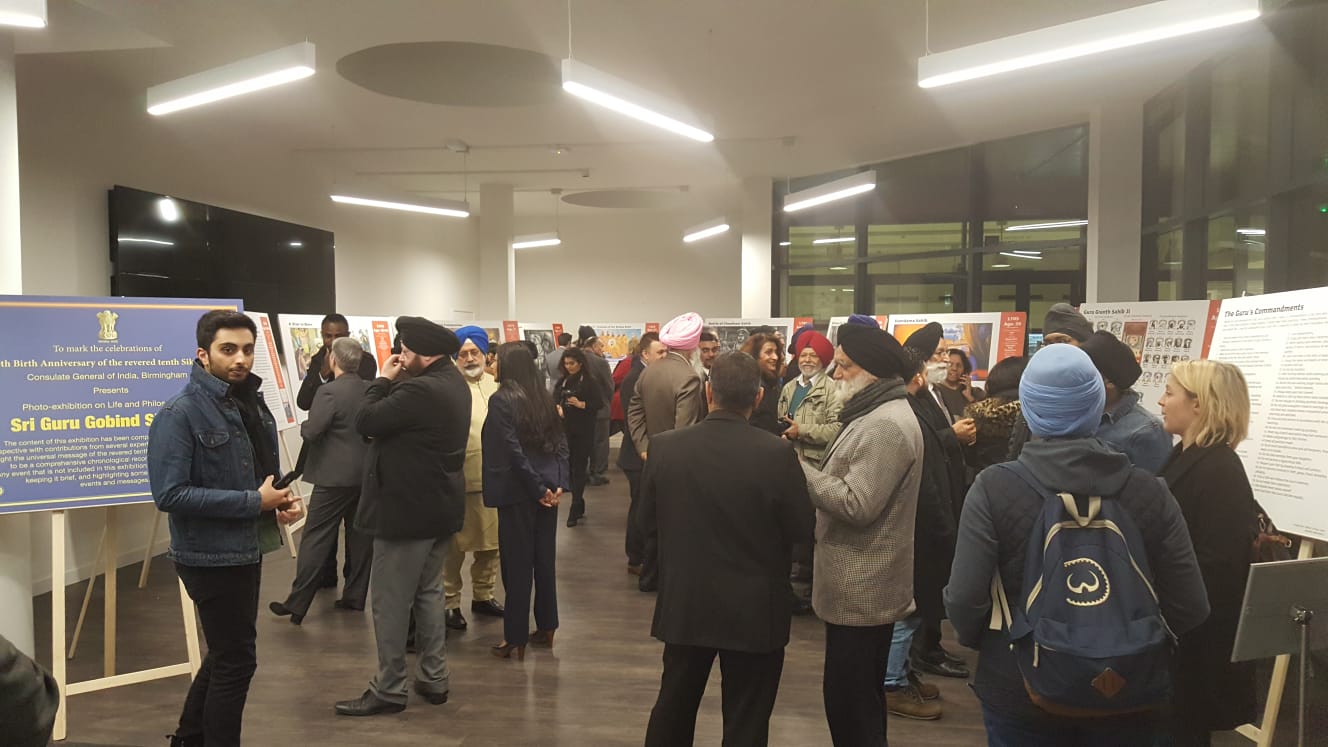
1124 406
200 378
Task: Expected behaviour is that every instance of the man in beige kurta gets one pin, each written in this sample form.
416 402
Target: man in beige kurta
479 534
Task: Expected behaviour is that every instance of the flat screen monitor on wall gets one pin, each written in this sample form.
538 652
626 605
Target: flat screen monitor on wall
166 246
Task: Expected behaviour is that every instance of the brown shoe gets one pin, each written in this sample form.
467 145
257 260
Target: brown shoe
906 702
926 690
633 570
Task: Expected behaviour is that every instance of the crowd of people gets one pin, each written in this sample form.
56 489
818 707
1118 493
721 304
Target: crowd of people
863 480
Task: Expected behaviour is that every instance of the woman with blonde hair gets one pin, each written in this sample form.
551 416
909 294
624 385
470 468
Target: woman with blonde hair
1207 404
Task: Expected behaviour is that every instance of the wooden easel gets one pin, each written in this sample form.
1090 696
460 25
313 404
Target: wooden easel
109 678
1262 735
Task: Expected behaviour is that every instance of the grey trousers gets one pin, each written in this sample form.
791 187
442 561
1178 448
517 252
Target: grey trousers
409 573
327 507
599 450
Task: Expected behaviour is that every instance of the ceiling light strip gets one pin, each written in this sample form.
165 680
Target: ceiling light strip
598 87
1043 226
706 230
28 14
536 240
273 68
449 208
840 240
1142 24
1020 256
854 184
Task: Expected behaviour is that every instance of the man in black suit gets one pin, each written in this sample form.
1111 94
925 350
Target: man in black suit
412 502
335 327
726 502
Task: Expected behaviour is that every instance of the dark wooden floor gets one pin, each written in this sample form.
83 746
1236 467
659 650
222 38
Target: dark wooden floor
595 688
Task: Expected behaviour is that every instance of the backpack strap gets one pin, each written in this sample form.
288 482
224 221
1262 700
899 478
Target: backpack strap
1001 619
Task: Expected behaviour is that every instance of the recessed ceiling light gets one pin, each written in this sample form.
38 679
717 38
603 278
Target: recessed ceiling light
274 68
1252 231
785 243
296 244
840 240
1000 266
838 267
168 210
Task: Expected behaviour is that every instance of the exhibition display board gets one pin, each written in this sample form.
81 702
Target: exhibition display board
732 333
80 382
618 337
267 366
836 322
1278 341
302 338
543 334
986 337
1160 333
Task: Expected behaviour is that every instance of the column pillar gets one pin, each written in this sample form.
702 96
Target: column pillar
756 252
497 298
1115 201
15 530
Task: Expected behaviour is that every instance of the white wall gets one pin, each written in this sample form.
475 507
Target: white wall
79 136
629 266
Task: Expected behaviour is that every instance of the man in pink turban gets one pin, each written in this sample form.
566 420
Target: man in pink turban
668 395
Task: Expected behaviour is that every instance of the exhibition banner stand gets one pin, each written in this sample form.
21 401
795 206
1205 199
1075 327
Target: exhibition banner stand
81 383
987 338
732 333
618 337
1277 340
836 322
1160 333
302 338
543 334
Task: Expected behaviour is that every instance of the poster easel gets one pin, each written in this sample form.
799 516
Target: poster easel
109 678
1262 735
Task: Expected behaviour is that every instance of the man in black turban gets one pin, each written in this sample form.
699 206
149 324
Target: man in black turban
411 503
1127 426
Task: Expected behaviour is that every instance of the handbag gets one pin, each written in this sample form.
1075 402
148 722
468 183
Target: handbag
1269 545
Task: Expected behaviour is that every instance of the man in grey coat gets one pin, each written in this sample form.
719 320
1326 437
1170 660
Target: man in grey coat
336 468
553 358
866 496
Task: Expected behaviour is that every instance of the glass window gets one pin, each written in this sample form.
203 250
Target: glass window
1308 233
914 298
1307 25
1037 175
1238 128
821 244
1164 158
934 187
820 293
1000 297
1168 250
1042 296
1234 260
914 238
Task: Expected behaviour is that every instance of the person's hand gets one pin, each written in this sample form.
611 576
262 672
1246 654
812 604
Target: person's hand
577 403
560 411
289 513
966 431
325 370
793 431
643 456
270 497
392 367
551 498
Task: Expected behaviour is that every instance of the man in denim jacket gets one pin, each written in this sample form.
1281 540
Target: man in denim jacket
212 456
1127 426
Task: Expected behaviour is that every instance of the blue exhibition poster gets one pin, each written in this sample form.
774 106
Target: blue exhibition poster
80 381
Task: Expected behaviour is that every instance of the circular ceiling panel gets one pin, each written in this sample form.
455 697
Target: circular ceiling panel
455 73
624 198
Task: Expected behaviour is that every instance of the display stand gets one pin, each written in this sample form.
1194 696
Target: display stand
109 678
1262 735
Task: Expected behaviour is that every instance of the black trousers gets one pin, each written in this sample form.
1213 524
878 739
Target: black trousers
328 572
636 540
854 683
328 506
749 684
579 446
227 599
528 534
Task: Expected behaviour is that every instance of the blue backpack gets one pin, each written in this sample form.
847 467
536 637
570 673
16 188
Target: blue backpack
1088 636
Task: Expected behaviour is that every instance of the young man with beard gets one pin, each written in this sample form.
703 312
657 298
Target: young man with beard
412 502
866 497
709 350
212 457
479 531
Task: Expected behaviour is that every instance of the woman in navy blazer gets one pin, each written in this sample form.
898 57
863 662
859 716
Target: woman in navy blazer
525 474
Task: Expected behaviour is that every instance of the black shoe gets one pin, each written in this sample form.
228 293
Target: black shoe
454 620
941 667
648 586
574 520
802 606
489 607
342 604
367 704
429 695
597 480
195 740
281 610
951 657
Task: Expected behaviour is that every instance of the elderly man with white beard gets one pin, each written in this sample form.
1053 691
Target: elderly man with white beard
479 533
866 495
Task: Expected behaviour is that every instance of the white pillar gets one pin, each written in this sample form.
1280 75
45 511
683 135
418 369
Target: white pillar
16 530
497 299
1115 201
757 195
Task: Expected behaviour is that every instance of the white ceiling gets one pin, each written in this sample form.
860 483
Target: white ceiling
836 78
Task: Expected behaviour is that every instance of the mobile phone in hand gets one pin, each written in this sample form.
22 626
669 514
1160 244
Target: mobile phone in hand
284 482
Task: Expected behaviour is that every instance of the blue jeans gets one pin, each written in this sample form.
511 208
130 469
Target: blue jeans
1053 731
896 670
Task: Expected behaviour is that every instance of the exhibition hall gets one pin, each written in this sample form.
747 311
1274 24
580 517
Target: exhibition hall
622 372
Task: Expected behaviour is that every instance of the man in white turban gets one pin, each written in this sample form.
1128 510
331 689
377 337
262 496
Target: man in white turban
668 395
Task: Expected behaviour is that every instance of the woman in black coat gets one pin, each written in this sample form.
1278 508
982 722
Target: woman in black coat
578 397
525 474
769 355
1207 404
